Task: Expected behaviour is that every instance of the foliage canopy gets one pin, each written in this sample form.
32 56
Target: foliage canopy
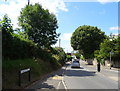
39 24
86 39
109 46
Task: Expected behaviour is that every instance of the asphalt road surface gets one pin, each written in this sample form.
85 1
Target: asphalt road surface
85 77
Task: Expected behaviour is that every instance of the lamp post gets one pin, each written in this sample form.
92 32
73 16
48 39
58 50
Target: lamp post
111 53
59 42
28 2
110 60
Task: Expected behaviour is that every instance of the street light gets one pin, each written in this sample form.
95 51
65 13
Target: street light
28 2
59 42
111 53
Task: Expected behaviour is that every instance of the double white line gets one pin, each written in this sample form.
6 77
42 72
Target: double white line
58 86
62 82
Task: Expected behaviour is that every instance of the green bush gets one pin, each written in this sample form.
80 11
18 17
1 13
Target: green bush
39 68
17 48
59 55
17 45
82 58
69 58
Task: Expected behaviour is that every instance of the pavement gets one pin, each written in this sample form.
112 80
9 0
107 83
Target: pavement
52 82
103 67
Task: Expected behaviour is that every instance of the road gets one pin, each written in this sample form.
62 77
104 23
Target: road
85 77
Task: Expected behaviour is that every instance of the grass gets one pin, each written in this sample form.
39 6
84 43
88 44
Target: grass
10 71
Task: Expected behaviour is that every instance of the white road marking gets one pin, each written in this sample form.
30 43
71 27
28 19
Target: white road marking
58 85
64 85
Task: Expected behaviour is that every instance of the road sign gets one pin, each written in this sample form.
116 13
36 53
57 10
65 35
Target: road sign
24 71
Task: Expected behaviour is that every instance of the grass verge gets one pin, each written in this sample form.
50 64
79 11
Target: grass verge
10 69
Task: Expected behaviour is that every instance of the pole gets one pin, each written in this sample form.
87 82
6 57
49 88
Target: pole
28 2
110 60
19 76
29 75
59 42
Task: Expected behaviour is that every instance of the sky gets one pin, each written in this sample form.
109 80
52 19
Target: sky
70 15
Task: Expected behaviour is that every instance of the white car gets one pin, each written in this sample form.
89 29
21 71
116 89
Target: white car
75 64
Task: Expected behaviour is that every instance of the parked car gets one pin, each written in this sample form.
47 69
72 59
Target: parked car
75 64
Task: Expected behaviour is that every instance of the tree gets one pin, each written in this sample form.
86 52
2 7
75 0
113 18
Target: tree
78 55
116 56
6 25
87 39
7 30
39 24
107 46
14 46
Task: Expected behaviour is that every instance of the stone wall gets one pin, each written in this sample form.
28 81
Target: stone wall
116 64
89 61
107 63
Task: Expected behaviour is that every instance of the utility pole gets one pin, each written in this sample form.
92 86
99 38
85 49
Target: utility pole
110 60
111 53
59 42
28 2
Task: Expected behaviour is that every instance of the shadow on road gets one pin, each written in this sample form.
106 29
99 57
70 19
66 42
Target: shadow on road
46 86
40 84
40 87
80 73
77 68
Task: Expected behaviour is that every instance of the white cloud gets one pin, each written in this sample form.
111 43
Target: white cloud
65 42
13 7
116 34
115 28
12 10
53 5
66 36
67 47
107 1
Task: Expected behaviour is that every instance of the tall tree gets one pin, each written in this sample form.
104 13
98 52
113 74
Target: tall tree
116 56
7 30
107 46
39 24
87 39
